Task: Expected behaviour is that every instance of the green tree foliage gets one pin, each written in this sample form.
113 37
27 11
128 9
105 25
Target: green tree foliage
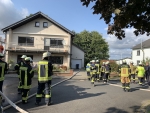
147 59
93 44
123 14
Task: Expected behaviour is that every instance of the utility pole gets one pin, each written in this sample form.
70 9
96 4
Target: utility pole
142 48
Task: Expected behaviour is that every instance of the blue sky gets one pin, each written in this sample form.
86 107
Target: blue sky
72 15
69 13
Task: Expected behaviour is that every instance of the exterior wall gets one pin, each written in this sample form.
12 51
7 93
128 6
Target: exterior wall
36 57
39 33
77 54
140 57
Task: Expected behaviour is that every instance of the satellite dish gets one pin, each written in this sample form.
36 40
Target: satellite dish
63 42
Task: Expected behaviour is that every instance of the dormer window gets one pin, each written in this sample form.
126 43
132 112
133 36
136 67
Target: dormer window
45 24
37 24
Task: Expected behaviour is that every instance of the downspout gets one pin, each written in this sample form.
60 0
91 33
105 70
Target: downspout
71 50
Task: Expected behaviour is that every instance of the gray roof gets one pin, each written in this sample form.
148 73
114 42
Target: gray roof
78 47
145 44
33 17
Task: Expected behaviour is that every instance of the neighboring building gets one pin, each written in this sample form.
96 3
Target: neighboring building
138 55
128 60
36 34
77 56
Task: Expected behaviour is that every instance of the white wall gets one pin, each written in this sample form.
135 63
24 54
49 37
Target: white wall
140 57
77 54
128 60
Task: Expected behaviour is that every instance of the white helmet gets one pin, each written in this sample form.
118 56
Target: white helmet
97 60
140 63
1 55
124 61
106 63
23 56
46 54
27 59
93 60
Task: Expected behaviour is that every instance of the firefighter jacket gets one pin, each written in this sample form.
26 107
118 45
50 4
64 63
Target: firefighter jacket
26 75
124 70
44 71
140 71
93 68
107 69
88 67
103 68
18 65
133 69
97 68
3 69
147 69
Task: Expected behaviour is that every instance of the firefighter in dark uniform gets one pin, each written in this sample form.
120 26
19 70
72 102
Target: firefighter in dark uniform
97 70
26 75
106 72
44 79
17 67
3 71
102 71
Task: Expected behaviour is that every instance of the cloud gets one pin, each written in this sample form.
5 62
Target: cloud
9 14
122 48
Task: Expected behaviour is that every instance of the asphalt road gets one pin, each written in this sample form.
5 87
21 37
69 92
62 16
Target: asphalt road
79 96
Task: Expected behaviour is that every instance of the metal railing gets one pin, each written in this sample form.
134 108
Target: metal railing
36 47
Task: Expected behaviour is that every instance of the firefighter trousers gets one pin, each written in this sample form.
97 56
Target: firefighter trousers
93 78
20 86
147 76
106 77
125 82
133 77
141 80
102 75
47 86
25 93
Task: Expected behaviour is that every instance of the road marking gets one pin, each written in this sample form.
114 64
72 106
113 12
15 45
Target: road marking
131 88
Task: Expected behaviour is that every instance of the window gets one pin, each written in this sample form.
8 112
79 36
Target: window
56 59
45 24
56 43
138 53
138 61
19 57
26 41
37 24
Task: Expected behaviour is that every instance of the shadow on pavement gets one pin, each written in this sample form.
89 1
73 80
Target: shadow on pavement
62 93
115 110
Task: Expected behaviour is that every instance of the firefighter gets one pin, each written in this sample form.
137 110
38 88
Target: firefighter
3 71
133 71
102 70
93 70
97 70
26 75
147 72
106 72
17 66
88 70
140 73
109 70
124 70
44 79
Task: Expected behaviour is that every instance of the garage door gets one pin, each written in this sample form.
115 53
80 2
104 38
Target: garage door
74 62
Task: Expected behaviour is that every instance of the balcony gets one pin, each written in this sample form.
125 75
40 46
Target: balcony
29 47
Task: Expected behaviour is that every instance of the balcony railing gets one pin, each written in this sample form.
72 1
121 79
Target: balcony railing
37 47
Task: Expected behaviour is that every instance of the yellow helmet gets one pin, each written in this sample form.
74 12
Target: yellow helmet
46 54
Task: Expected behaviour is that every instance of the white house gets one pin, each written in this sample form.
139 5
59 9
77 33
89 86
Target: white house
77 56
128 60
141 51
39 33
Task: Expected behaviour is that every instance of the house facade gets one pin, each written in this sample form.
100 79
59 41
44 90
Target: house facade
128 60
141 51
77 57
36 34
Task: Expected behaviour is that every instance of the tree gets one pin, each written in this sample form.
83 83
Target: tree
123 14
93 44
